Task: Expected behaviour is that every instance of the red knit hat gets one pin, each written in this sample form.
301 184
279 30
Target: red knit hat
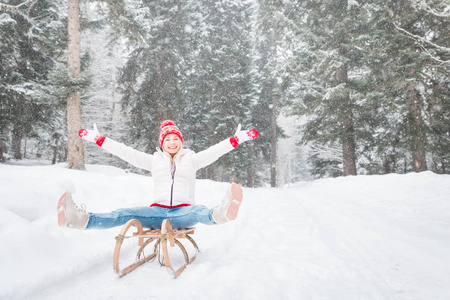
169 127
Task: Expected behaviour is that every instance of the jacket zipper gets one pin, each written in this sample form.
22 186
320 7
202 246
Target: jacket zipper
173 181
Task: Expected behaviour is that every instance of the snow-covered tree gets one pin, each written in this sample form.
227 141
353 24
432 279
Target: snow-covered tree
408 86
221 82
267 42
101 101
321 70
150 80
29 43
363 83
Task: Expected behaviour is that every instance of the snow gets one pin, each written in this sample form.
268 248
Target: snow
5 19
361 237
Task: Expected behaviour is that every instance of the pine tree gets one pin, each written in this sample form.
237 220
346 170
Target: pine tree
101 100
406 81
266 111
27 55
324 66
150 80
224 83
426 92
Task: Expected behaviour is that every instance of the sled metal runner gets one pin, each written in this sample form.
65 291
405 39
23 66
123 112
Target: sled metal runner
163 238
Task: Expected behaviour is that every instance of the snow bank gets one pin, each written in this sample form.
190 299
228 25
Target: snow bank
362 237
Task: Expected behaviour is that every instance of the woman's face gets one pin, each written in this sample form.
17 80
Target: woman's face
172 144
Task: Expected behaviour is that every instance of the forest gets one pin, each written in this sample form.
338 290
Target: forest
334 87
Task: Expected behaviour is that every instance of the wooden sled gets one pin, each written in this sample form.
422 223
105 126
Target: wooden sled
162 238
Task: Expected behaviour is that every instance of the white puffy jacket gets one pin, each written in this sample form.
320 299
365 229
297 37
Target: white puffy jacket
170 190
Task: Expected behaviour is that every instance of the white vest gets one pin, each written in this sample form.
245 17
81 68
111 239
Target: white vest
170 190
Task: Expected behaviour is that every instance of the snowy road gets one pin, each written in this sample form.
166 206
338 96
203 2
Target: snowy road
363 237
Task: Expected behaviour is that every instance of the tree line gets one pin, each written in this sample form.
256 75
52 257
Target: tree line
368 81
372 78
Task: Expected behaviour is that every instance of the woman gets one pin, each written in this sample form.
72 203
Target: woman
174 173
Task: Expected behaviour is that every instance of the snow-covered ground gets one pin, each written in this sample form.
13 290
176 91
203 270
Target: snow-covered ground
363 237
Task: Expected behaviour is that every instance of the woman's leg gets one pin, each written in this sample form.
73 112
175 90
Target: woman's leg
150 217
187 216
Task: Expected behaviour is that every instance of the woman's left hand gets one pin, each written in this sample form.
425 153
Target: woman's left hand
243 135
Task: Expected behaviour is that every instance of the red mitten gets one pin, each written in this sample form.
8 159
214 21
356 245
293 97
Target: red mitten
243 135
92 135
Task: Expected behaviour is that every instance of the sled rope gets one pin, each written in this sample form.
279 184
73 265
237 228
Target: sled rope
163 237
160 257
119 238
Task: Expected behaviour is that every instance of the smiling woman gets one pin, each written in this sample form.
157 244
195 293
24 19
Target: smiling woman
174 174
170 138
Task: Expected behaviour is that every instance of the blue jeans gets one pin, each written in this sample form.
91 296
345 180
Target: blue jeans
152 217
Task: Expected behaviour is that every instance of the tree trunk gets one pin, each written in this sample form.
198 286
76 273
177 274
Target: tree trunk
416 128
251 168
413 101
348 134
2 159
75 156
348 145
273 143
16 143
162 105
211 172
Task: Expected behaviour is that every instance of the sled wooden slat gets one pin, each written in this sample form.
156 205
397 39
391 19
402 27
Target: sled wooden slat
132 267
160 237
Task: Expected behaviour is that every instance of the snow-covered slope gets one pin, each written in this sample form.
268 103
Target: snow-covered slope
363 237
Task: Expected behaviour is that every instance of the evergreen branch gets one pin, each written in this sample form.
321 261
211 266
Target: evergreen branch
31 6
325 152
418 38
13 7
423 5
45 17
437 14
66 84
126 21
18 6
441 62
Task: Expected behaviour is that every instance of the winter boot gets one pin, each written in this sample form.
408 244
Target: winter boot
229 208
70 215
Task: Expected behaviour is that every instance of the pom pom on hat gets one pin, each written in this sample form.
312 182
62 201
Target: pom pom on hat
169 127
